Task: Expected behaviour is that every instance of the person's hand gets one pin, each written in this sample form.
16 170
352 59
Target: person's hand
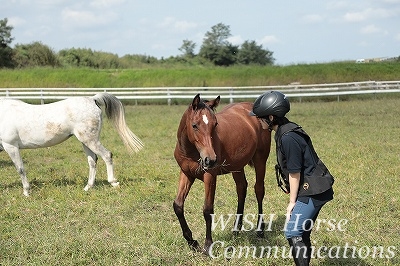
289 208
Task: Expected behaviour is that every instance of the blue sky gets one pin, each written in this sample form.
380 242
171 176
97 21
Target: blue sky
308 31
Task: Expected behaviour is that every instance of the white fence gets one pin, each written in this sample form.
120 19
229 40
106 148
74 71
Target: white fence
231 93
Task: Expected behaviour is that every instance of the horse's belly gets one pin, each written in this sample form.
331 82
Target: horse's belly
37 142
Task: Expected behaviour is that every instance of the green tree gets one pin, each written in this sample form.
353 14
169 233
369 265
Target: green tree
251 53
216 47
6 51
83 57
187 48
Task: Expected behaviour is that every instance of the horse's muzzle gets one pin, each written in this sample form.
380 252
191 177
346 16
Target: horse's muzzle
208 163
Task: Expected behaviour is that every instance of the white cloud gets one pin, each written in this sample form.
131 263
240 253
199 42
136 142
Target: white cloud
177 25
369 13
16 21
236 40
370 29
78 17
354 16
106 3
85 19
268 40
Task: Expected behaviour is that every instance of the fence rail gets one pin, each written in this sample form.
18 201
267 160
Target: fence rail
231 93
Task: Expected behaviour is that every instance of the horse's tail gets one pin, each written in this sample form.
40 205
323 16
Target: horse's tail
115 113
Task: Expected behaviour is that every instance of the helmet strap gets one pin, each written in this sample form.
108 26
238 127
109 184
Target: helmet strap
270 123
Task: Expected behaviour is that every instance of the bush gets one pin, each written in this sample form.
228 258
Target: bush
79 57
34 54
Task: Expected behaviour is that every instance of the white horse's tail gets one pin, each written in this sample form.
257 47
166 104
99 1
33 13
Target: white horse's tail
115 113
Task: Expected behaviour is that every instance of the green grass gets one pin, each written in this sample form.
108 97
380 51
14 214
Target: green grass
60 224
198 76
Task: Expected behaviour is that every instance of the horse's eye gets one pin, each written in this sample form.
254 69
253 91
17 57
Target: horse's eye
195 126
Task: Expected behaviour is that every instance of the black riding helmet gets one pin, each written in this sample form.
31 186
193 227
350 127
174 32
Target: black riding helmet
271 103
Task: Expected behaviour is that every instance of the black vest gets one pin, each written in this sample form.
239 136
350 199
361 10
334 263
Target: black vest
318 182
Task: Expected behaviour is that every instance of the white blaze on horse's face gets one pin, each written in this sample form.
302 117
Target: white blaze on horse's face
202 125
205 145
205 119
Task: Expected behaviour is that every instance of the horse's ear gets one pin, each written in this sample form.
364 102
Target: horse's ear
214 103
196 101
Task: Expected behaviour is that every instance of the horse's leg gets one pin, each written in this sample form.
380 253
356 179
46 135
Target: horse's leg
106 155
241 190
92 161
210 183
15 156
260 166
185 183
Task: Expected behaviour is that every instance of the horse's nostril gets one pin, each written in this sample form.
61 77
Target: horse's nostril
208 162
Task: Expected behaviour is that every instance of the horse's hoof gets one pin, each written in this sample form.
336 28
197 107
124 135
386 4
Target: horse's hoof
115 184
194 245
26 193
206 252
87 187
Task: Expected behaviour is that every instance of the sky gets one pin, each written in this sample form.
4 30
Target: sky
297 31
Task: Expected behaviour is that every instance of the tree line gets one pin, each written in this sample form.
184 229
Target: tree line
215 50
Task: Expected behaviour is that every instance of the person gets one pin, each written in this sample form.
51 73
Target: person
299 171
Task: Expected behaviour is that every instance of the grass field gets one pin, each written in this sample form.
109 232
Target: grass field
198 76
60 224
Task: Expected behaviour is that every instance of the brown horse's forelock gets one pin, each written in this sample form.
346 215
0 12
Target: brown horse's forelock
203 105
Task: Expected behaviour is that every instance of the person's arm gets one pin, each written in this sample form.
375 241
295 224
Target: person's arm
294 182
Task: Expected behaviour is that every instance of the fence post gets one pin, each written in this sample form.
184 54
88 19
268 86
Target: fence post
231 95
41 97
169 96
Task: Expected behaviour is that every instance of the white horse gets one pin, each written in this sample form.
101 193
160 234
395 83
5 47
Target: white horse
27 126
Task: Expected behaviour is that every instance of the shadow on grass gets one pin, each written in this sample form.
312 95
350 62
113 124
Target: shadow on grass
18 184
6 163
344 262
64 182
37 184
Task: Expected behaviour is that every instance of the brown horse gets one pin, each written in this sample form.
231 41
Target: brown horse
212 144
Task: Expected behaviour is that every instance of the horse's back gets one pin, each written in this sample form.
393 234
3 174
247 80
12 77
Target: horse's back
11 111
74 106
6 103
236 118
241 135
